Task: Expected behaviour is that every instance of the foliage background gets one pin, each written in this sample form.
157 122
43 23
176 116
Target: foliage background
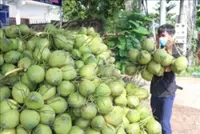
121 30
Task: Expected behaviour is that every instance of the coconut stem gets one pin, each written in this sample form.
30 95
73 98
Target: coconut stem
142 122
22 107
40 33
12 71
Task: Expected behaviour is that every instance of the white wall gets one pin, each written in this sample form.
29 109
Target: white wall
35 11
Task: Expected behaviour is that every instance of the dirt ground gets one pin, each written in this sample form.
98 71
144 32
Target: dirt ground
186 111
185 120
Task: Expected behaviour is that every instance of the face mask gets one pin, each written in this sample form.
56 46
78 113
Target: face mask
162 42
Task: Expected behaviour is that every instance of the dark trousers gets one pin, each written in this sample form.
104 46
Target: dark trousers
162 111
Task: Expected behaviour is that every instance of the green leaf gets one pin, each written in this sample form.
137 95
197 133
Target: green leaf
135 43
118 65
122 53
123 69
129 44
139 22
122 43
141 30
127 32
133 23
110 43
135 40
121 46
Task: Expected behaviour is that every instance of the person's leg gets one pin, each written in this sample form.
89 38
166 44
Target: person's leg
156 107
166 114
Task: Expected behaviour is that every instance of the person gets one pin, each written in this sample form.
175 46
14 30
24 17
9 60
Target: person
163 88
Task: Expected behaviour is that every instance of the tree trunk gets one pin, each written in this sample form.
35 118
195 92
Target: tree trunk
181 12
128 5
147 12
133 5
191 27
162 12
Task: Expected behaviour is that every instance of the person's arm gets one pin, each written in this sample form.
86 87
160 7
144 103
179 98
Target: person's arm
168 48
169 81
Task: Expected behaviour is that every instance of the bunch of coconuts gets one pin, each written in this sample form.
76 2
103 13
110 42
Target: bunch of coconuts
149 61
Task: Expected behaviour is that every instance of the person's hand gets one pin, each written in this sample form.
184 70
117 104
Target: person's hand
167 69
169 45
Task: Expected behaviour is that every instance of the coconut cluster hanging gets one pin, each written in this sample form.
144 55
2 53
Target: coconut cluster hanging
149 61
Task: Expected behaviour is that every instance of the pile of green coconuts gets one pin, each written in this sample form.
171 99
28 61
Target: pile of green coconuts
59 81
